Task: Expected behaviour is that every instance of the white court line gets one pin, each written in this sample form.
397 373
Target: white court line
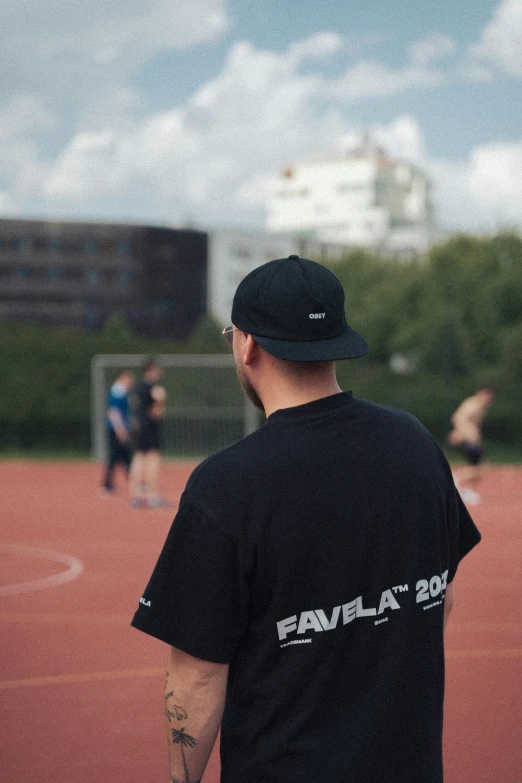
75 568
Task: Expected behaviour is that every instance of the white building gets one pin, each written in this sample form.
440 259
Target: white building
232 255
363 199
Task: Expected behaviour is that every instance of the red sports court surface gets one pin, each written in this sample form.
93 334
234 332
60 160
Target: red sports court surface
81 691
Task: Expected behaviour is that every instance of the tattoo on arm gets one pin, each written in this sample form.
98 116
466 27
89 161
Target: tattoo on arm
176 712
184 741
179 736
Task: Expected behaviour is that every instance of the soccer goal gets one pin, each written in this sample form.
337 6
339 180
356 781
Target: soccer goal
206 408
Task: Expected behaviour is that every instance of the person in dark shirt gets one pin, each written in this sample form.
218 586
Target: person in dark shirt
150 401
118 429
307 578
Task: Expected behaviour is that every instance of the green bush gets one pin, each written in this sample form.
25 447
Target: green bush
45 378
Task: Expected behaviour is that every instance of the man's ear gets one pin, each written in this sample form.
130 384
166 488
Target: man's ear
250 351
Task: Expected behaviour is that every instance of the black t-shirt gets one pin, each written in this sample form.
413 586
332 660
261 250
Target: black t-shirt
313 557
143 402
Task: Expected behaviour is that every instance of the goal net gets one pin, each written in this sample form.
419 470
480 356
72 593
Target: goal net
206 408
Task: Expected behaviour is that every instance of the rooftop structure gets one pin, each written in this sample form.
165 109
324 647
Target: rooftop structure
362 199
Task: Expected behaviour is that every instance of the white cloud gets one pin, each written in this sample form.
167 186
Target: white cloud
402 138
65 47
373 79
369 79
495 178
475 72
481 192
315 47
22 121
120 28
90 165
256 114
433 47
501 40
22 116
214 156
7 207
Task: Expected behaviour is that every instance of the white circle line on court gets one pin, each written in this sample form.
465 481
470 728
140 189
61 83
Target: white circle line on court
73 571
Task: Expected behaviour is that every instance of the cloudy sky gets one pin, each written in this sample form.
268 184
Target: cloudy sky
187 110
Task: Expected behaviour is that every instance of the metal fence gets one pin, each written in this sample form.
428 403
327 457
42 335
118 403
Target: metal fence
206 408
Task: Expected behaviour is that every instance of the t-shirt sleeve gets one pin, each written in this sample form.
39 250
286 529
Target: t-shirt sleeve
463 533
116 398
196 597
112 400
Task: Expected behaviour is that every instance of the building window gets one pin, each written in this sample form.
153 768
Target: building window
24 245
124 248
124 277
22 272
92 277
90 247
73 274
10 243
92 316
53 273
166 252
301 193
345 188
159 307
54 245
107 247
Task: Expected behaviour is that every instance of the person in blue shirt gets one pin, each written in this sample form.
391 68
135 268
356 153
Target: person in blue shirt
118 428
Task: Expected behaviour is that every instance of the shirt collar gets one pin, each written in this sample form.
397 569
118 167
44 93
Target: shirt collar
319 407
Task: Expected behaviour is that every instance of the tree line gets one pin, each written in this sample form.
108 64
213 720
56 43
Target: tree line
438 327
447 323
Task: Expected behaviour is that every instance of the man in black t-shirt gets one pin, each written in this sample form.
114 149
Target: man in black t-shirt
150 400
306 580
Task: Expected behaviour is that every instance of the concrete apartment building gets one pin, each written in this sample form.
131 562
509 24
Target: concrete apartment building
78 274
162 279
363 199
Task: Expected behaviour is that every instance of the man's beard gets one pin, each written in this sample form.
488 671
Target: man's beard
248 388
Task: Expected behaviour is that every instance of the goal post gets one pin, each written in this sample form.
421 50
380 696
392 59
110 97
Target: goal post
206 408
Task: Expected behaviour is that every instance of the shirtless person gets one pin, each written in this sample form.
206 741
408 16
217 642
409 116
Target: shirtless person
466 435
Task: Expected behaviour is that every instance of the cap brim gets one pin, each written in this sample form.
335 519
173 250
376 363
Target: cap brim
348 345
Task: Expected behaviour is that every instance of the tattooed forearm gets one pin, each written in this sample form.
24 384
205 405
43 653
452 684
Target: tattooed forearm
193 703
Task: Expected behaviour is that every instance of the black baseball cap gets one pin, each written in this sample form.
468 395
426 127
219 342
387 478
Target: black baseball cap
294 309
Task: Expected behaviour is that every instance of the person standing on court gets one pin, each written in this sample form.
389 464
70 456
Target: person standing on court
118 429
307 578
150 406
466 435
